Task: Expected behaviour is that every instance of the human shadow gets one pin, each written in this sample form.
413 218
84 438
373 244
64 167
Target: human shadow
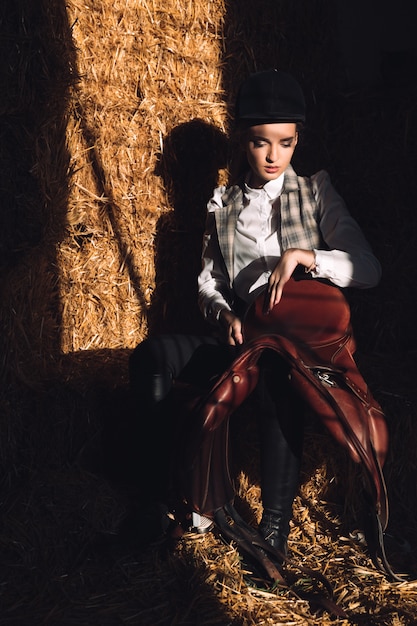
193 154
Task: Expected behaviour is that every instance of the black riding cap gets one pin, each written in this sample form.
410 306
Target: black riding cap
270 96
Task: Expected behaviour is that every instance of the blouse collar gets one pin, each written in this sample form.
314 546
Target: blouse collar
272 188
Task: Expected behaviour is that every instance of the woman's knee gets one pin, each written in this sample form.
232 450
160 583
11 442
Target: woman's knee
149 375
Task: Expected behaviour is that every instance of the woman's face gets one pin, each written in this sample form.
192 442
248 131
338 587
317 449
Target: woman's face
269 149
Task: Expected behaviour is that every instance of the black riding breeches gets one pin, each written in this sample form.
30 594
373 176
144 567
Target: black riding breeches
199 361
158 361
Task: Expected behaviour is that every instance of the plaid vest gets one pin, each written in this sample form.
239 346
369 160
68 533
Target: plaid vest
298 217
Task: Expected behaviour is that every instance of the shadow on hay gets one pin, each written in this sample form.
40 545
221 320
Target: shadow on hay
79 544
67 452
193 155
38 69
108 205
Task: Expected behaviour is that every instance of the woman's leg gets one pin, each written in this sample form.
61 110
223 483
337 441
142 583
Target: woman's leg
281 440
158 361
154 365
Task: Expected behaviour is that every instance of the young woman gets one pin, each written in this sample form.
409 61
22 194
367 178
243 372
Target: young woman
259 231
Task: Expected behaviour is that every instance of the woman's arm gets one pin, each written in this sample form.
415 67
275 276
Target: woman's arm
214 293
349 261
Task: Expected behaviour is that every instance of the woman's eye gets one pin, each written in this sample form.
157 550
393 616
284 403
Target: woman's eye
258 144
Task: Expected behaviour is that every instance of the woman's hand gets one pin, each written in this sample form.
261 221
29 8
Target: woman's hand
283 272
233 327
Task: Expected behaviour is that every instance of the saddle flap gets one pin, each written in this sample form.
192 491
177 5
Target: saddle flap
310 312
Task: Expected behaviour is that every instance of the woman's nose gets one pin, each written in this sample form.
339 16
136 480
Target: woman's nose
272 155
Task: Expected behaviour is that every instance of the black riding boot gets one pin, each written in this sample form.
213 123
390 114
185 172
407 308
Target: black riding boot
278 493
281 440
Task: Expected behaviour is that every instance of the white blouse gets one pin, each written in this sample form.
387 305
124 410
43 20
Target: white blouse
349 262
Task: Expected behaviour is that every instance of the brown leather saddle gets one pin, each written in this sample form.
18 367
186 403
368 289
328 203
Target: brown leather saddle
310 328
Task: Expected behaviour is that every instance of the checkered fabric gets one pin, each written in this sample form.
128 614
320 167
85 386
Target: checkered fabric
298 217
